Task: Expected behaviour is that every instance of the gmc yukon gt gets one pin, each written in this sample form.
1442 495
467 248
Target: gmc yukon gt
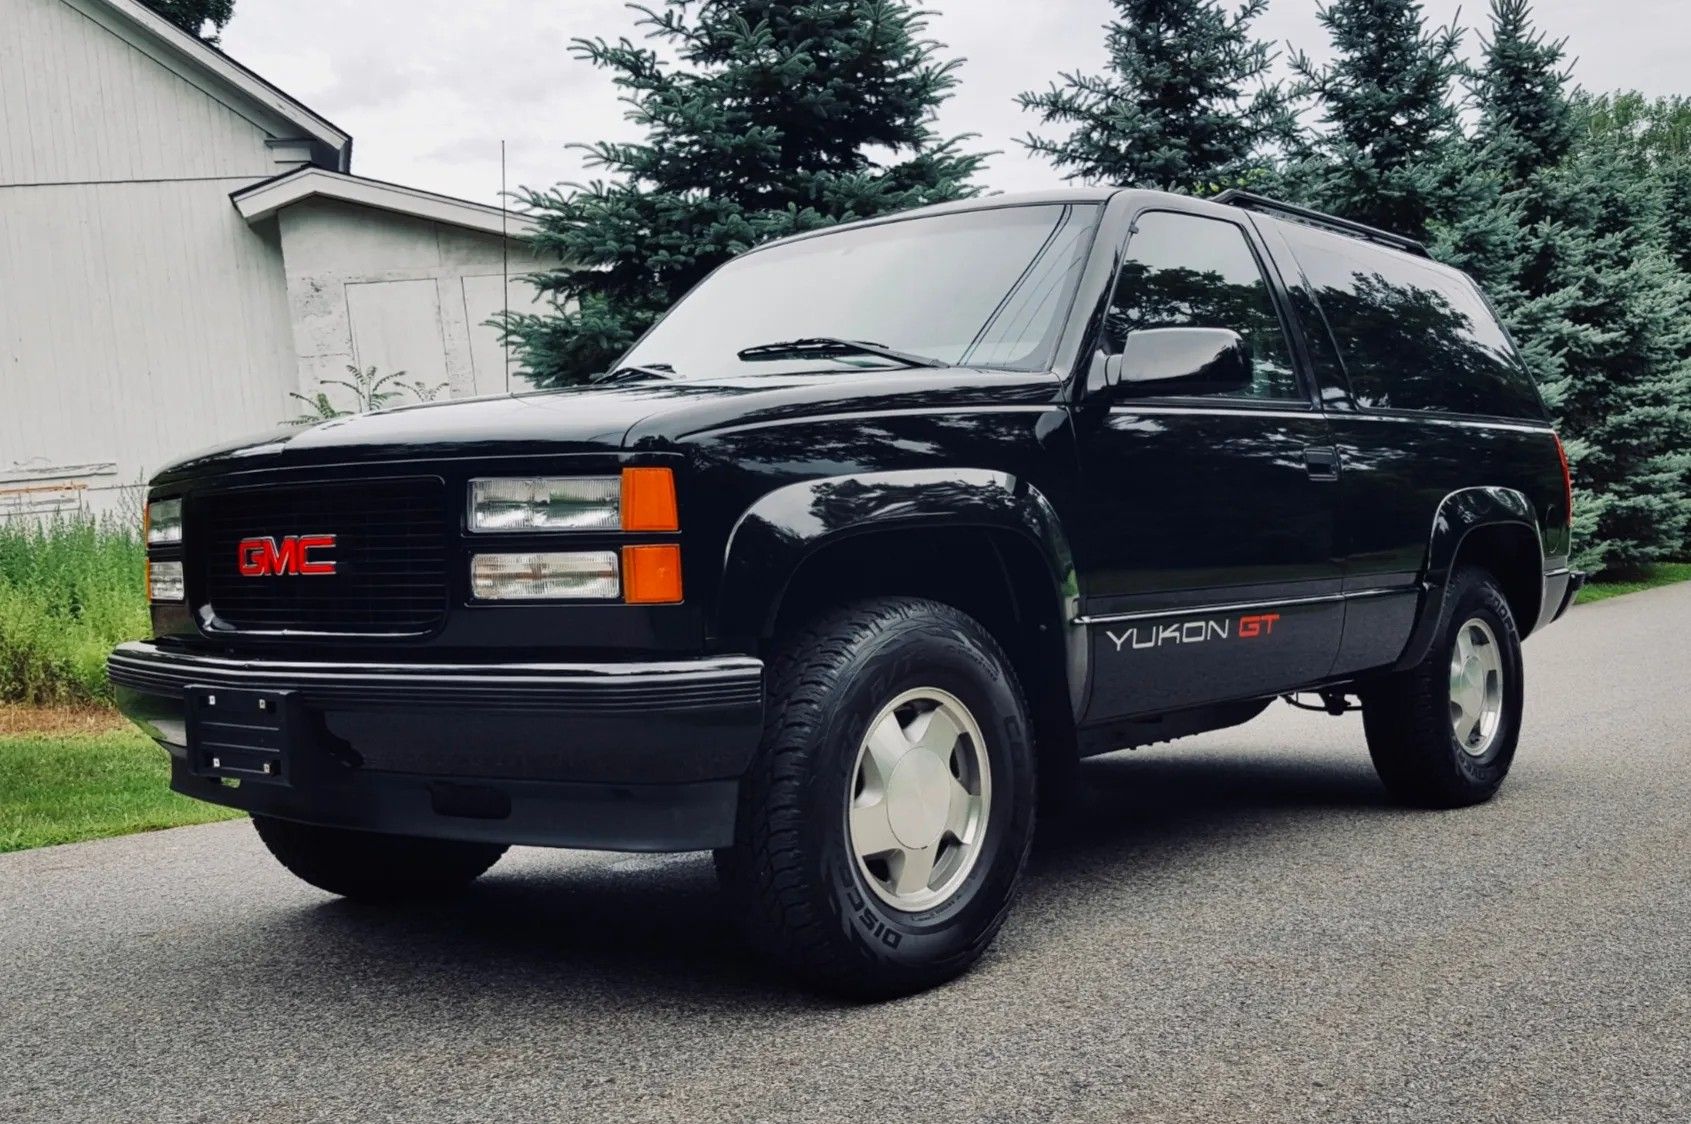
876 532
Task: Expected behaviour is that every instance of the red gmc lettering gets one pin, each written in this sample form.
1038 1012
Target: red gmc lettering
269 557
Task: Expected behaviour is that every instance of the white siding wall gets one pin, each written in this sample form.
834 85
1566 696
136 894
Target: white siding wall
78 103
140 317
140 322
373 288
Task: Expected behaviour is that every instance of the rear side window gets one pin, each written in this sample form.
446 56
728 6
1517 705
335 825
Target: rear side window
1413 335
1186 271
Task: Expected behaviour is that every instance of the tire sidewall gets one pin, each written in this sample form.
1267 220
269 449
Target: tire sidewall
1480 599
963 662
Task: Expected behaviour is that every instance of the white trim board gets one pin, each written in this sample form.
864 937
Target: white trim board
262 200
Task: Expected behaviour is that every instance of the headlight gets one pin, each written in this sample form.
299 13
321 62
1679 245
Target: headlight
580 575
547 503
639 499
164 581
164 522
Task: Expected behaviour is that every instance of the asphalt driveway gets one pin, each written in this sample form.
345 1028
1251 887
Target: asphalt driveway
1235 927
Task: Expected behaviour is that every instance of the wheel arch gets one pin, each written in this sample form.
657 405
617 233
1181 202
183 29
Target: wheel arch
1490 526
984 541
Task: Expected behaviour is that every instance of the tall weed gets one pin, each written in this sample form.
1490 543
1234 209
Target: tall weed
70 590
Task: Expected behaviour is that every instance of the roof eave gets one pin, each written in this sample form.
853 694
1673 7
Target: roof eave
262 200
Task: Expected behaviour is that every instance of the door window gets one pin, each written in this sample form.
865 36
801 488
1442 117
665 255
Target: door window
1186 271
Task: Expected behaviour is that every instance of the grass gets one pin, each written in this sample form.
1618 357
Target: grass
70 591
1663 573
63 787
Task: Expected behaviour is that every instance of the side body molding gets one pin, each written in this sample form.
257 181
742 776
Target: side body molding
790 524
1459 514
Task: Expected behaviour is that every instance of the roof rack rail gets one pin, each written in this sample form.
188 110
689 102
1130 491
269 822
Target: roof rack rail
1250 201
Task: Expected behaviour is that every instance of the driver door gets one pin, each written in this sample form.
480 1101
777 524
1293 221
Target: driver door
1207 556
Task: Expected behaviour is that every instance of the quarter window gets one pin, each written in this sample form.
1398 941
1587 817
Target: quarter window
1412 334
1186 271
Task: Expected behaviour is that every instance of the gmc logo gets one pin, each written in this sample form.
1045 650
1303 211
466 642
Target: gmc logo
269 557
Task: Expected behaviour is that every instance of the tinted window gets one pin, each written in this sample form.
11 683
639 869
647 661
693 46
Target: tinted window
1413 335
1183 271
989 288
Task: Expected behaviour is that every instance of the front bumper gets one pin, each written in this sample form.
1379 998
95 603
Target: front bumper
619 756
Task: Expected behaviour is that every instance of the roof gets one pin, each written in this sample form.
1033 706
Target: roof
221 76
263 199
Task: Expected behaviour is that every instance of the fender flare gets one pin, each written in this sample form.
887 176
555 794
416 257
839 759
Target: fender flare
784 528
1459 515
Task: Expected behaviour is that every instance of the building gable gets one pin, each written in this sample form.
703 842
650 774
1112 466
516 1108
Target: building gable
102 91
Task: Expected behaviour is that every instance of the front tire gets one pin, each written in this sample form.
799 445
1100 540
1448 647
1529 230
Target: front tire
884 827
1443 734
370 866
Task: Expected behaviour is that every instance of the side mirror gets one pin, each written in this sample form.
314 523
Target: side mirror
1183 361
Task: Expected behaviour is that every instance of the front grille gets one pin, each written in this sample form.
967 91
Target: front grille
390 556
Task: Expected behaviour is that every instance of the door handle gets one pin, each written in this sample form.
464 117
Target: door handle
1321 462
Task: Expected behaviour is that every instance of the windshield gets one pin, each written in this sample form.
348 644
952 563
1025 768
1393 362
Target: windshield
985 288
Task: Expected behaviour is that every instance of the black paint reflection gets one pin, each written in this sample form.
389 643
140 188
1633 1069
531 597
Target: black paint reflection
1183 271
1413 335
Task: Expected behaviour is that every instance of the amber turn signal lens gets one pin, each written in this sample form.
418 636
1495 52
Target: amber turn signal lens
648 500
651 575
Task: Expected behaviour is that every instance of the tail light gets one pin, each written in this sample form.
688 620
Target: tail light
1567 478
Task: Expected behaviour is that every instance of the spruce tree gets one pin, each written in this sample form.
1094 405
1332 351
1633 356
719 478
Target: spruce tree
192 16
1521 92
1622 391
1658 132
1588 288
773 118
1186 104
1524 131
1673 172
1642 142
1389 120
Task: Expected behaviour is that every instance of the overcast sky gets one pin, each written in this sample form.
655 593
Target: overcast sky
428 87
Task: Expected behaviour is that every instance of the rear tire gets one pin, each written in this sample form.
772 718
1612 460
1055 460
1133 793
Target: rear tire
880 865
369 866
1443 733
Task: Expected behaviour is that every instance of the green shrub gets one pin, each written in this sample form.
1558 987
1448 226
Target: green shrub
69 591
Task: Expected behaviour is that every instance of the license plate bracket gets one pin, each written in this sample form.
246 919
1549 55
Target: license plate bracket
239 734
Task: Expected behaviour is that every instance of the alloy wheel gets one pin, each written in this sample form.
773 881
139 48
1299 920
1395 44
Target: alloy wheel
920 795
1476 687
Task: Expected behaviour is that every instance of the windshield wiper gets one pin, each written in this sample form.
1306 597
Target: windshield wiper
635 373
821 346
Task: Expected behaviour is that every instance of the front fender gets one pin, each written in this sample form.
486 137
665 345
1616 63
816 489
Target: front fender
775 536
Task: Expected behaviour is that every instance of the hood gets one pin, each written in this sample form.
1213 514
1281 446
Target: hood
601 419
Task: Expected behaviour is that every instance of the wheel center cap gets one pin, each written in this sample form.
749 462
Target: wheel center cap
918 798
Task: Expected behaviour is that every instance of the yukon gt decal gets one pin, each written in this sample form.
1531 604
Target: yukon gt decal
1247 627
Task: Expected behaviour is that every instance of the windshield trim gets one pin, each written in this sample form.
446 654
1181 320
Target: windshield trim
934 211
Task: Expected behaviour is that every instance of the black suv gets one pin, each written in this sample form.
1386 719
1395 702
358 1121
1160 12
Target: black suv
865 543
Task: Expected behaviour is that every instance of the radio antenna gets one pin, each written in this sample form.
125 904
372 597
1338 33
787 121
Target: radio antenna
505 263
